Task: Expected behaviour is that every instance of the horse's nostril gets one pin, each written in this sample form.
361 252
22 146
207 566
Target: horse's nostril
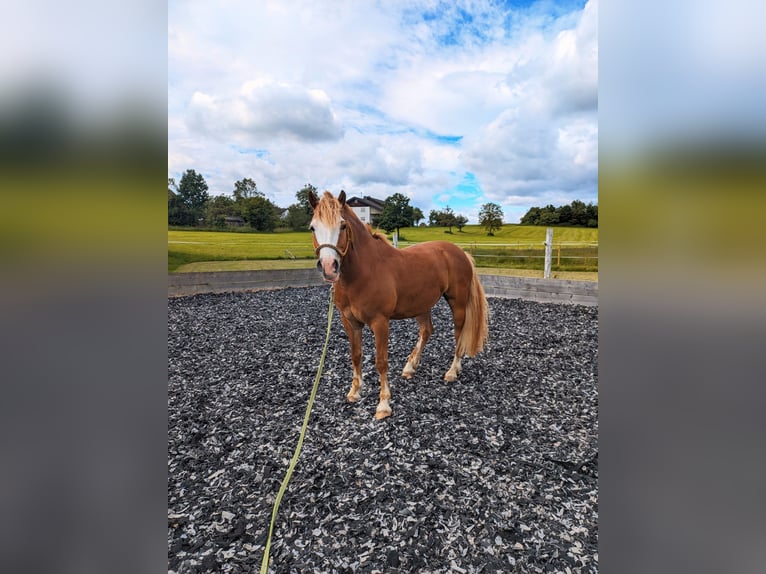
335 265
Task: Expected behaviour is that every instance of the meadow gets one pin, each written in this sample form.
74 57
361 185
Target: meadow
575 249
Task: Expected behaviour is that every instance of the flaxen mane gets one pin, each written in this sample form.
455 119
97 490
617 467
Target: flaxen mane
328 210
378 234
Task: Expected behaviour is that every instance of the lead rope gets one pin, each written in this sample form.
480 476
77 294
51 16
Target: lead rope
296 454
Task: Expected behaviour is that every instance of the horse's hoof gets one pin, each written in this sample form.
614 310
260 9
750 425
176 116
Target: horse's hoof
353 398
450 377
380 415
383 410
408 374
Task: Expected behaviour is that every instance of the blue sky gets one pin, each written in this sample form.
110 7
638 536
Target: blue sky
453 103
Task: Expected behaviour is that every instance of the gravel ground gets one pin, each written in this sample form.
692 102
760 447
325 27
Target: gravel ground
497 472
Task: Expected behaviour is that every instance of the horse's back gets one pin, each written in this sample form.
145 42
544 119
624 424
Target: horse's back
441 256
437 266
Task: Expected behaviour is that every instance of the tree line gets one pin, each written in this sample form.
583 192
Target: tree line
190 204
576 214
398 213
490 218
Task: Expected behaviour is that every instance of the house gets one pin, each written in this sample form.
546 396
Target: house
367 208
234 221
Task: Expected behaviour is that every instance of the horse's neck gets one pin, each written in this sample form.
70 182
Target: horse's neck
366 241
365 248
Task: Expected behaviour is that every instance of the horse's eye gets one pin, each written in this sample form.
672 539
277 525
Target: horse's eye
342 225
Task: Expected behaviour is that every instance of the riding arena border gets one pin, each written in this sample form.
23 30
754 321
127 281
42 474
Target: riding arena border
541 290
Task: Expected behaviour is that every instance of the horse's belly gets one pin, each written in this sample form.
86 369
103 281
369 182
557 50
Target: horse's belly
415 304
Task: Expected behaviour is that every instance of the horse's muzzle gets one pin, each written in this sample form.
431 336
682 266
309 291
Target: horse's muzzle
330 268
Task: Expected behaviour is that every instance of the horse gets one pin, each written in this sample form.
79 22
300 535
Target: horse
375 282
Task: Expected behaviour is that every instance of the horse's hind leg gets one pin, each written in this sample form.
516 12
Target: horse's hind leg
454 369
426 328
458 317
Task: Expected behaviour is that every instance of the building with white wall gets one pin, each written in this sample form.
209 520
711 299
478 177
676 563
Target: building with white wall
367 208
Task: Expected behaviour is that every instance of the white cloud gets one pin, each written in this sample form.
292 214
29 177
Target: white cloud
265 109
384 159
572 75
545 143
450 98
361 96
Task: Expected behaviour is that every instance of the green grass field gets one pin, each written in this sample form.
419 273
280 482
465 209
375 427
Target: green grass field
525 234
514 246
192 246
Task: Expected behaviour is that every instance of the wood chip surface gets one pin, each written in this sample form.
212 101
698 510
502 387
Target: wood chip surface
497 472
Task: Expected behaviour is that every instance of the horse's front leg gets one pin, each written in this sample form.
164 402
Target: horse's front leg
380 330
354 332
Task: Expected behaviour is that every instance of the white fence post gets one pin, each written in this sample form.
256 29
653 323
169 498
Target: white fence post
396 238
548 248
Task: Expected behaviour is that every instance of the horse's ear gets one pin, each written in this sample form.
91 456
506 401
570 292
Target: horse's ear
313 199
342 197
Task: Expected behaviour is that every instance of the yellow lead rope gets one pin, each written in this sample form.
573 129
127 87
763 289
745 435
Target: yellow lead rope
296 454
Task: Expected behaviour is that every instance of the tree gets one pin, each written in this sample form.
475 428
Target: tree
443 218
549 215
259 212
591 212
193 190
303 197
574 214
245 188
460 222
297 219
565 215
187 207
218 209
253 206
417 215
397 213
299 214
579 216
491 217
176 211
531 217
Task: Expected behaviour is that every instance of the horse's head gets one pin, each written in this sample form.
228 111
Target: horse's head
330 233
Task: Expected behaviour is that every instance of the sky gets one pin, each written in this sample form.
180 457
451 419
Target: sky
452 103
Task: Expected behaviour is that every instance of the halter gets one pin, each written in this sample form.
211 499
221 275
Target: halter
349 240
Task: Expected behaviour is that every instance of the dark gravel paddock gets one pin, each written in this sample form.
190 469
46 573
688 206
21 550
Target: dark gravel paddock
495 473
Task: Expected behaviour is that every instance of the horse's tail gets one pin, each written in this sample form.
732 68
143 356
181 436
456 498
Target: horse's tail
475 330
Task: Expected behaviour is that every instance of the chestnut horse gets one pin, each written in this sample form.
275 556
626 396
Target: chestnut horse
375 282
